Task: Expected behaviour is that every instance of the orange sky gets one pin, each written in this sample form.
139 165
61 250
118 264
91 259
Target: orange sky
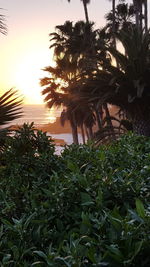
25 50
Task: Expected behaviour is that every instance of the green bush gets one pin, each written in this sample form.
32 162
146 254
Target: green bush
88 207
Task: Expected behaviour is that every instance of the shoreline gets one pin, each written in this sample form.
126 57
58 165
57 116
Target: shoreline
54 128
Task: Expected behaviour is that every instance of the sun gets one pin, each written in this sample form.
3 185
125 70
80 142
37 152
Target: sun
27 74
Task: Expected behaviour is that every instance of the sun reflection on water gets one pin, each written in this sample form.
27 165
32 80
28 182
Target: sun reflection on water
50 116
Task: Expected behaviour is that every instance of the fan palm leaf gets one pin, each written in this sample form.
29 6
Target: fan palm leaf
10 107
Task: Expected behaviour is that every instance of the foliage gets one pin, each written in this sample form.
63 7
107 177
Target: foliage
88 207
10 106
10 109
124 13
125 85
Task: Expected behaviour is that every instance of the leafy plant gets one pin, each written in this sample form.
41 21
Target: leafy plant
88 207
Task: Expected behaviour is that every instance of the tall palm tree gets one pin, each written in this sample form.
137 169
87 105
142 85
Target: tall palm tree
124 14
85 3
113 21
139 15
128 86
56 90
72 44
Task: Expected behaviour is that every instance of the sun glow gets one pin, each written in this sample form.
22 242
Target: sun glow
27 74
51 119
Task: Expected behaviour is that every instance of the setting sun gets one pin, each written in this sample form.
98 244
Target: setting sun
26 76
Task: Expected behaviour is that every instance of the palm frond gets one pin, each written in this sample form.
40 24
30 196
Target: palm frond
10 106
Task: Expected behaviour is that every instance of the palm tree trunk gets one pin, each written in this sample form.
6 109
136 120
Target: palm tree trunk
85 10
136 9
74 132
83 133
87 133
141 15
146 15
114 22
109 122
138 13
98 118
90 133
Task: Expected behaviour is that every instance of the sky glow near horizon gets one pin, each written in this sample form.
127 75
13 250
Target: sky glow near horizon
25 50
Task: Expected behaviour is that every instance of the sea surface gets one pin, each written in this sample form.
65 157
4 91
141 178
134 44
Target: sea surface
40 115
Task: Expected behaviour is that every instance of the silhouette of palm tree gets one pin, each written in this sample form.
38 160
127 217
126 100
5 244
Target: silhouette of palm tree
124 14
71 48
139 13
128 86
10 108
85 3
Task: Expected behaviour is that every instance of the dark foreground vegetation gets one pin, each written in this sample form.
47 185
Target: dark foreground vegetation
88 207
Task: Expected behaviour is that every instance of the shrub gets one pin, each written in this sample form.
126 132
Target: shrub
88 207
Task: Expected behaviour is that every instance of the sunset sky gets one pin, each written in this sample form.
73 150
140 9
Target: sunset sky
25 50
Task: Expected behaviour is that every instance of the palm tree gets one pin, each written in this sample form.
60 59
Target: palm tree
56 90
10 107
124 14
114 20
72 46
62 94
85 3
68 115
128 86
79 115
139 15
113 28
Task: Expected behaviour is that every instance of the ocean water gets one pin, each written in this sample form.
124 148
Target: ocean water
40 115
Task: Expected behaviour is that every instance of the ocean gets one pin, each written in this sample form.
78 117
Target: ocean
40 115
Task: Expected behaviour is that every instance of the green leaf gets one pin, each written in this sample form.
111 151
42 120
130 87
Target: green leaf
40 254
137 248
63 261
140 208
29 220
86 199
115 253
6 258
6 222
135 216
37 263
72 166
